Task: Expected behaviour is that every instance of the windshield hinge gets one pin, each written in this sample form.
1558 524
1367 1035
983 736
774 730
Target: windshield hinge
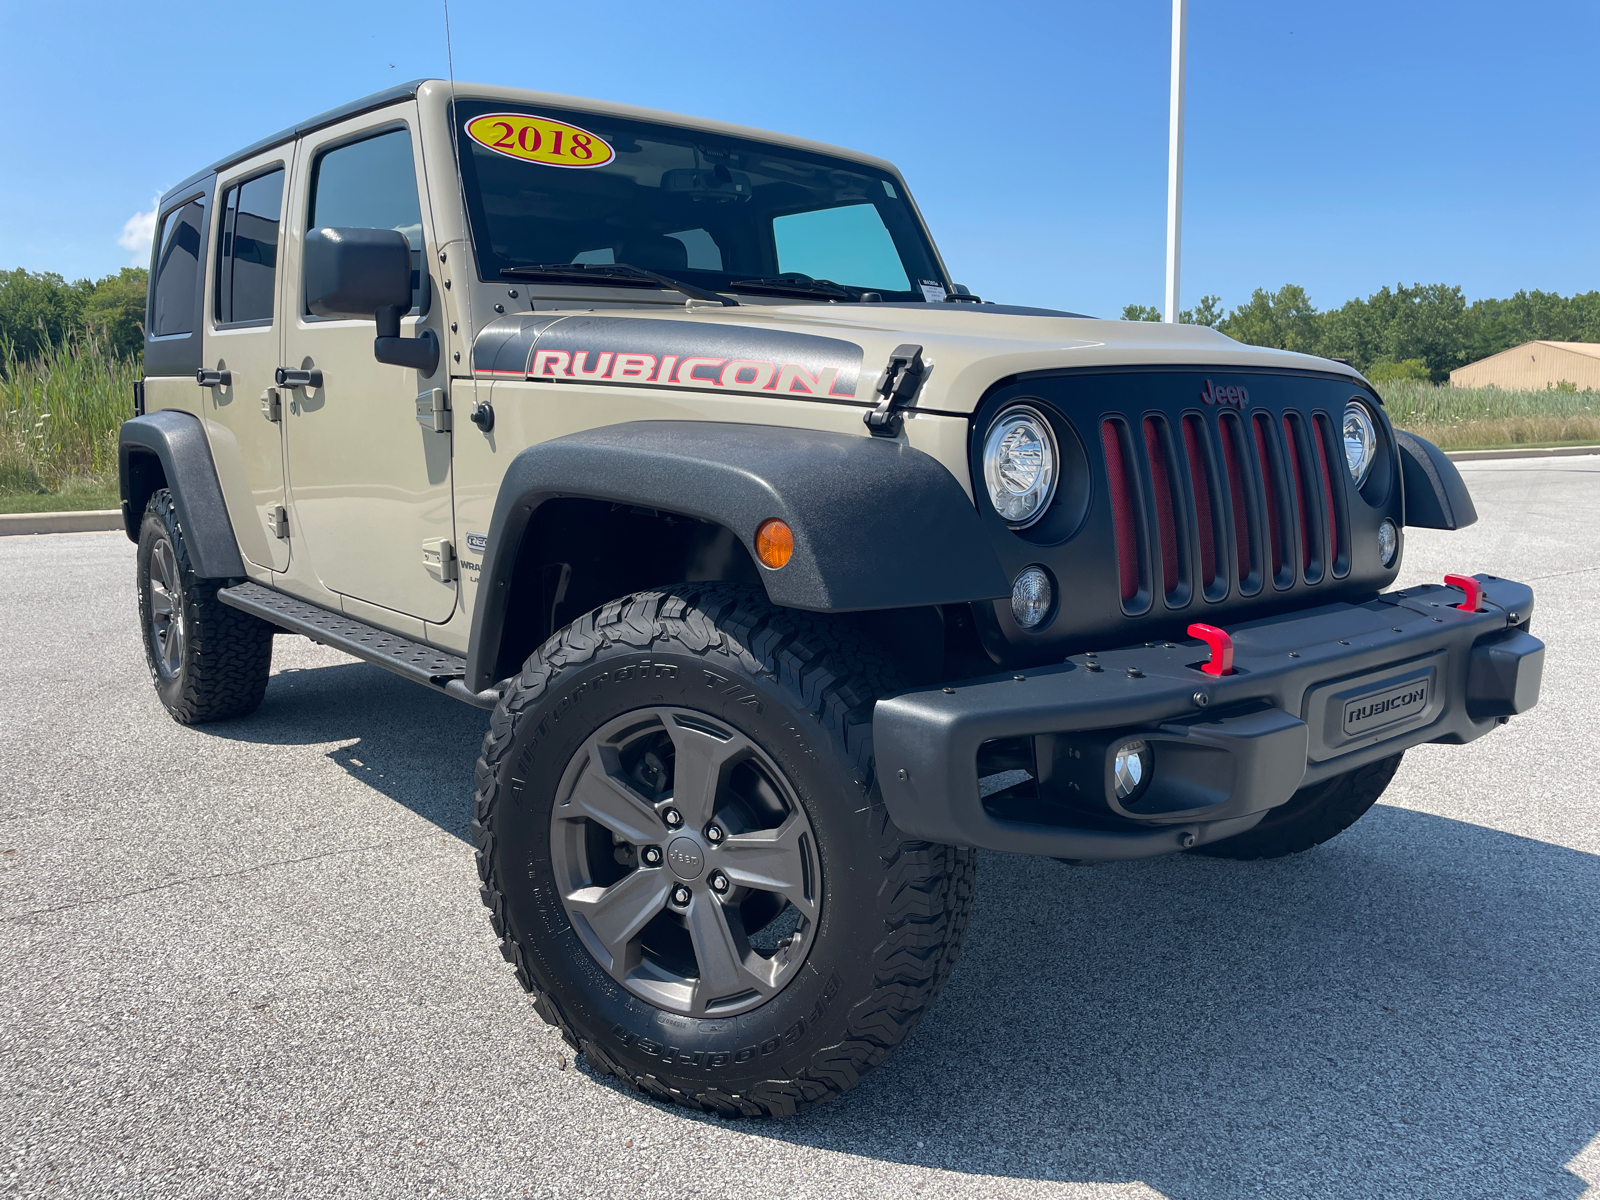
897 388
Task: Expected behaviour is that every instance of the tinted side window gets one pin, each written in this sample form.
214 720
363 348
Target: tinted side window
178 258
370 184
248 263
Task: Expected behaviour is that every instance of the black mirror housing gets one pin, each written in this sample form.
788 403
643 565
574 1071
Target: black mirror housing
367 273
355 272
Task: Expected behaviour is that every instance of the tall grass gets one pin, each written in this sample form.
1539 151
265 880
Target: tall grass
1488 418
59 415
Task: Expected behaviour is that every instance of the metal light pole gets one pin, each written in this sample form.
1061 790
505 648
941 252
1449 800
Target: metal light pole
1180 25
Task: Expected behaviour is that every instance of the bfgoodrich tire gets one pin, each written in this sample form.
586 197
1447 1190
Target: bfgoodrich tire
687 860
1311 816
208 662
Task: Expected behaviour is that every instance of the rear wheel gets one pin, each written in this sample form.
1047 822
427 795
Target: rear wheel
689 864
1311 816
208 662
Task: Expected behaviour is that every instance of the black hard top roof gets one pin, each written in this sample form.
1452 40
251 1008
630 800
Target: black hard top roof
333 116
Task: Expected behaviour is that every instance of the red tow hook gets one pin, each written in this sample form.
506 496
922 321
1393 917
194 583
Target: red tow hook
1221 648
1473 589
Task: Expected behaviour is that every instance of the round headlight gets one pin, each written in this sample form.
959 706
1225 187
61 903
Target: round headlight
1019 466
1360 440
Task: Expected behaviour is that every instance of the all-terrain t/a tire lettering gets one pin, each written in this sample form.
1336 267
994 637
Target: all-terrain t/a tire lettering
890 912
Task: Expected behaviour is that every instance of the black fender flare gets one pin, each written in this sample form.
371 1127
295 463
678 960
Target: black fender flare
877 524
177 441
1436 495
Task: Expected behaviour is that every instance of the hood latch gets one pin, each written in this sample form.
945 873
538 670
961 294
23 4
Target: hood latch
897 388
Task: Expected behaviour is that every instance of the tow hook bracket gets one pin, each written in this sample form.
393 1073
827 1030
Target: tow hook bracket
897 388
1221 648
1473 589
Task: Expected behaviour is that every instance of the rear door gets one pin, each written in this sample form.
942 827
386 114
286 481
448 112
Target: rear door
369 484
242 345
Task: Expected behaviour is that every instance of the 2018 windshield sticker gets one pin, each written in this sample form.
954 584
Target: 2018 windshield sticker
540 140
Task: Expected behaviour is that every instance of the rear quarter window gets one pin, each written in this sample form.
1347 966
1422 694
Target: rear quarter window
177 273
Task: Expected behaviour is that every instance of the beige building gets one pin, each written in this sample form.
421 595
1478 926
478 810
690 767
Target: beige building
1534 366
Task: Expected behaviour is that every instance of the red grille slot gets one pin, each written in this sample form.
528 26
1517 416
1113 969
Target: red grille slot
1269 484
1193 433
1121 510
1166 522
1231 435
1327 492
1302 498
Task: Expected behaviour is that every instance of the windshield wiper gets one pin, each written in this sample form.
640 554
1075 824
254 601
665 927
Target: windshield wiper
797 287
613 273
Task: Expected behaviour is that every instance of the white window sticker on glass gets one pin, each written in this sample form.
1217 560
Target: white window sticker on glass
849 244
932 290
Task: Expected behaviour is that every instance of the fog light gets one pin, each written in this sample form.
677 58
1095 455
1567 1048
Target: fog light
1031 596
1388 542
1131 768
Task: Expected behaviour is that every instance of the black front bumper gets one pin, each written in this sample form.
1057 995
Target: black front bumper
1314 694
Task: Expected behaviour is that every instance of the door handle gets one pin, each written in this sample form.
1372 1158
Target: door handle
208 377
293 377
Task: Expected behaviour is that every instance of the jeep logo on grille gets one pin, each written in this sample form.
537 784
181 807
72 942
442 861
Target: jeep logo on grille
1236 397
1374 711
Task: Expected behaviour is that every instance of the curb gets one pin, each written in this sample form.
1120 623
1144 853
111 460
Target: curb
97 520
1544 452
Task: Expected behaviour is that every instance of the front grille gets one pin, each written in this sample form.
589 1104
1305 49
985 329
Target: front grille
1241 503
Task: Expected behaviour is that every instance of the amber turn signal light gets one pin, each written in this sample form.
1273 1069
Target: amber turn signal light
774 543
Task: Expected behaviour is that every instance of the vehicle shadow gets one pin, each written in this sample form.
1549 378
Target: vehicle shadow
1407 1011
413 745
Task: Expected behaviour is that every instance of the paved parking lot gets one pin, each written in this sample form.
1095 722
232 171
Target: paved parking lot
250 959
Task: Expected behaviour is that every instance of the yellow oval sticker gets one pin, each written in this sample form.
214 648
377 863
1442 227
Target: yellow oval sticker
540 140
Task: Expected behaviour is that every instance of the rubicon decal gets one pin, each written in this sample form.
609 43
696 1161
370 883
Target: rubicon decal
1236 397
542 140
675 354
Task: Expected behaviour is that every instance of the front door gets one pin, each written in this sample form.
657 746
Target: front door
369 484
242 335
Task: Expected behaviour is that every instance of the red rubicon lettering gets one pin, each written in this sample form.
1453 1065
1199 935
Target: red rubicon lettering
634 366
795 378
664 372
747 372
688 367
550 362
581 362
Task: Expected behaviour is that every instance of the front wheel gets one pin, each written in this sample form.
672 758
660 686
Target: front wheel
1311 816
688 862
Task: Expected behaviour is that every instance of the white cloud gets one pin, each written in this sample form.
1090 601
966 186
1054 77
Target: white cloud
138 232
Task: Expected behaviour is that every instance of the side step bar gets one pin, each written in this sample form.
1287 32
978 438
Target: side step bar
415 661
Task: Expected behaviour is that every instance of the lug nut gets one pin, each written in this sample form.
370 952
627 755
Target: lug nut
719 882
714 834
672 817
680 895
652 856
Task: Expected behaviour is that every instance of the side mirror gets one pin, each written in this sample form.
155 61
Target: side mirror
362 272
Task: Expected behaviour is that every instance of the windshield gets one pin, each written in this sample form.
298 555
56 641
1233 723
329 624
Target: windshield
547 187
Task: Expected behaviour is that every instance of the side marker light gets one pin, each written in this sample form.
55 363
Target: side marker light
1221 648
774 543
1473 589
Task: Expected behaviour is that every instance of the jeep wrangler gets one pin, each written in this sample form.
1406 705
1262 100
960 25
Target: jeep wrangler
791 573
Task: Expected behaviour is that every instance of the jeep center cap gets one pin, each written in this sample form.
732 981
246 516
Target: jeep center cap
684 855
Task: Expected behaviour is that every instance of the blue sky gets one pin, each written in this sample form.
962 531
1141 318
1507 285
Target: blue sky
1339 146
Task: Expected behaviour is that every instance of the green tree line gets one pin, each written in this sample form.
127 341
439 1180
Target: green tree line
1419 332
40 310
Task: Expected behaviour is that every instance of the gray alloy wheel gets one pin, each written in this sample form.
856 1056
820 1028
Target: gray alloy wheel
686 863
166 610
